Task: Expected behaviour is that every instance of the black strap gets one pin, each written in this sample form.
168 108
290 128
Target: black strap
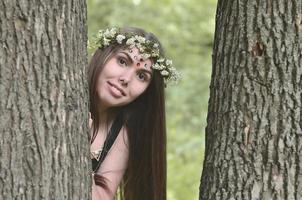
112 135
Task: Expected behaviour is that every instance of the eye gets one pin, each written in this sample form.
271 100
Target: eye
122 61
142 76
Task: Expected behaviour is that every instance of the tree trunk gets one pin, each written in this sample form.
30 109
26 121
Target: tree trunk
254 136
44 110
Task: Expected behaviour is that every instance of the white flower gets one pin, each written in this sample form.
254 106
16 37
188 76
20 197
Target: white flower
130 41
141 39
113 31
120 38
106 41
161 60
164 73
169 62
156 66
146 56
155 45
110 33
107 33
155 52
140 47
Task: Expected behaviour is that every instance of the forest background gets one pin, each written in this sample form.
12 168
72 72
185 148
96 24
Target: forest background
186 29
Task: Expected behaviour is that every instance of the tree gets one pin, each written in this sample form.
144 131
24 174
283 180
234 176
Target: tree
44 112
253 135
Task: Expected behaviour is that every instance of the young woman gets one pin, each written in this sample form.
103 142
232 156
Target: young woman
127 75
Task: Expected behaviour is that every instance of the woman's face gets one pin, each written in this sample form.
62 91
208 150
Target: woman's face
124 77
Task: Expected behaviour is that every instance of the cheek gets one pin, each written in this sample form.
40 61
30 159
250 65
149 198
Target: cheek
138 90
99 82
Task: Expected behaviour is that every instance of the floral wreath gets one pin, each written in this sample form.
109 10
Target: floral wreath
148 48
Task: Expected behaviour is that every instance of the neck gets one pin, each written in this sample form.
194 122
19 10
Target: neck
107 116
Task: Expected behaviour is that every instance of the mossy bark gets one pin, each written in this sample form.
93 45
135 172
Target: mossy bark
43 105
254 130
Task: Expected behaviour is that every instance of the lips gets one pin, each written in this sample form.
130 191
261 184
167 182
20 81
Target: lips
117 88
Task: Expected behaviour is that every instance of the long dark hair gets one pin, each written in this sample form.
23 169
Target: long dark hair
144 119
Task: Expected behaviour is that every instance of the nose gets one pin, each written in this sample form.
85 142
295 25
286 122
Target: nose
125 77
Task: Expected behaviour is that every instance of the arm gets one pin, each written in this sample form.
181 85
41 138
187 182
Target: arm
113 168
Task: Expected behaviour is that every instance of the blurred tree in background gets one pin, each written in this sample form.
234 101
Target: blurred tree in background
185 28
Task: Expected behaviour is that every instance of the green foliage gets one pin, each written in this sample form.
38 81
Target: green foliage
185 28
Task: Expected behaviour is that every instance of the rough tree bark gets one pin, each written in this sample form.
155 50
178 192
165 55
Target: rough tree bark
43 104
254 136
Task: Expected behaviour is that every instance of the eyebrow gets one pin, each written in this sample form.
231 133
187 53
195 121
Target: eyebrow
128 56
131 61
147 71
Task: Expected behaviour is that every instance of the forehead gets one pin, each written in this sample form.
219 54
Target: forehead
131 51
134 50
136 56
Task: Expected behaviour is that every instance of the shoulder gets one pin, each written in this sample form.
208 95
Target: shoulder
116 161
120 146
123 136
117 156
